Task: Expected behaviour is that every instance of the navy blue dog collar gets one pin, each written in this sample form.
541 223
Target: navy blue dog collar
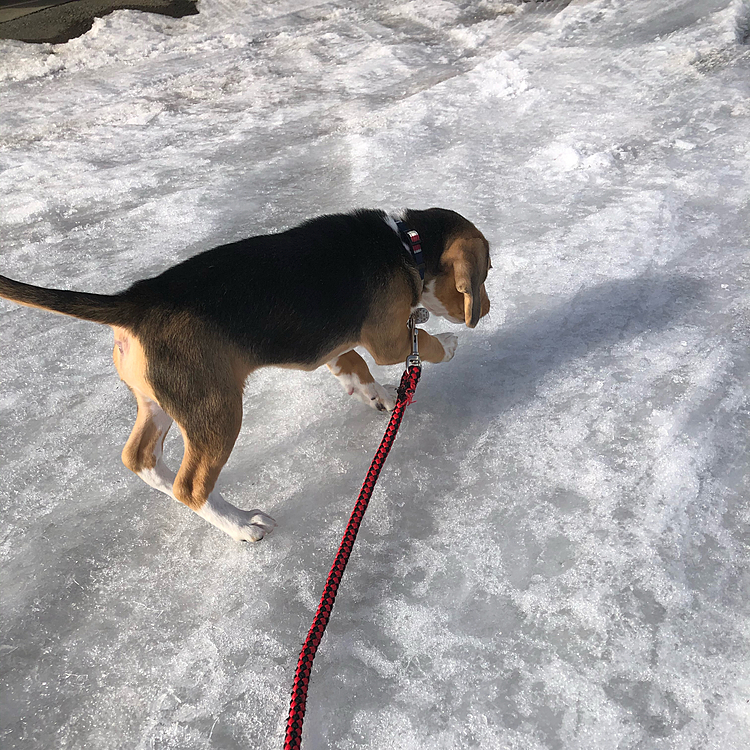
413 243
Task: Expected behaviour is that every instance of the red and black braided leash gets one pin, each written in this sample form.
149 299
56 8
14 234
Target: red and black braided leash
304 664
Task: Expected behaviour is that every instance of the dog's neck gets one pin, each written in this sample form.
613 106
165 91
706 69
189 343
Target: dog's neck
432 244
413 244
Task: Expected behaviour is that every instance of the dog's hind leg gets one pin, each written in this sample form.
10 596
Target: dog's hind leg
142 453
209 435
355 377
208 411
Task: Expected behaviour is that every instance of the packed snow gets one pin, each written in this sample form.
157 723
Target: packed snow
556 555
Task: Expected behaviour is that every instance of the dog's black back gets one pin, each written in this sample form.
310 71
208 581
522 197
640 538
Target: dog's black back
284 298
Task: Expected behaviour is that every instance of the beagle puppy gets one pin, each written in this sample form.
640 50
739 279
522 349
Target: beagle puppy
185 341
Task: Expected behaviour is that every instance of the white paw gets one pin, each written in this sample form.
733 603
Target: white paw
450 344
254 526
380 397
241 525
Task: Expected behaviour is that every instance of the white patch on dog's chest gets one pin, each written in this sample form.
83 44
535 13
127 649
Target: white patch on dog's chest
432 302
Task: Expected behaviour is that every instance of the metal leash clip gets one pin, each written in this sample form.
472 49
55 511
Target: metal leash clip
420 315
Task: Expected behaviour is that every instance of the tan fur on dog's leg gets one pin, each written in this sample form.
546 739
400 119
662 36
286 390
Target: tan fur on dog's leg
438 348
142 453
205 455
357 380
390 342
209 429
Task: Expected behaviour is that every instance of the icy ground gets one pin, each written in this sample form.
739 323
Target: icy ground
557 552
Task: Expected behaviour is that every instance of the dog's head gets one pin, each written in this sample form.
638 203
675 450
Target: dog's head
457 259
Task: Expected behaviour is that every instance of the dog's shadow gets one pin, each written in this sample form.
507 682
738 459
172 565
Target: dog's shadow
487 378
521 356
495 375
518 358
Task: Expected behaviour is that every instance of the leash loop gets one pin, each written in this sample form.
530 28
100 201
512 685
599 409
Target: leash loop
409 380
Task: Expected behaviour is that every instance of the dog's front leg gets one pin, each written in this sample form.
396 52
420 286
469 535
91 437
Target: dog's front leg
438 348
392 346
357 380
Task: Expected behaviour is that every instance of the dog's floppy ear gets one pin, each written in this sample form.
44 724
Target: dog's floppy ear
468 257
467 282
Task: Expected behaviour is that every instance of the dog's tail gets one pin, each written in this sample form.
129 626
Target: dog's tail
98 308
